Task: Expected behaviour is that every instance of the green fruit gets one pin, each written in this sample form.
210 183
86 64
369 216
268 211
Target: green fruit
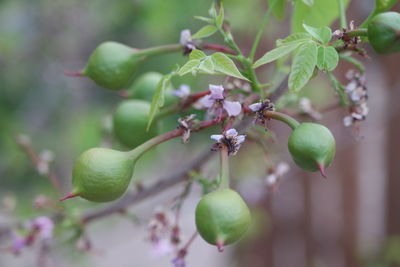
312 146
384 32
222 217
145 86
101 174
112 65
130 123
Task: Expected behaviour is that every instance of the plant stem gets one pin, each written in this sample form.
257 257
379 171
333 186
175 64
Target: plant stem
261 30
291 122
339 88
342 14
358 32
146 146
254 81
224 169
160 50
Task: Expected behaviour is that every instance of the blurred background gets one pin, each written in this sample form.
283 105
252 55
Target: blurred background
350 219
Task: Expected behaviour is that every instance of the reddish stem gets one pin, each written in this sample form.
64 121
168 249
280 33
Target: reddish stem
219 48
73 74
69 195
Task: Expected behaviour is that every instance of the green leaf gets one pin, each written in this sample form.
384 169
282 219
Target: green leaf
158 98
328 58
197 54
321 14
279 9
384 5
303 66
205 19
308 2
219 20
190 66
278 52
323 34
207 66
225 65
294 37
206 31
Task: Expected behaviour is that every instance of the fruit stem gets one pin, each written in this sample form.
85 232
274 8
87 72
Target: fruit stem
283 118
358 32
342 14
69 195
74 74
160 50
224 169
146 146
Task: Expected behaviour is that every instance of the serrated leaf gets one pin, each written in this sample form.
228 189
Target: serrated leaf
206 31
190 66
207 65
205 19
219 20
294 37
158 98
279 9
384 5
225 65
323 34
328 58
322 13
308 2
276 53
303 66
197 54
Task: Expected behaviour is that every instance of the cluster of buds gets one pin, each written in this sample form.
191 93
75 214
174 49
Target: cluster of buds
238 84
357 94
187 124
349 41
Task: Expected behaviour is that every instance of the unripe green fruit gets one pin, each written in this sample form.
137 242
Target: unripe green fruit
112 65
130 123
384 32
102 174
312 146
145 86
222 217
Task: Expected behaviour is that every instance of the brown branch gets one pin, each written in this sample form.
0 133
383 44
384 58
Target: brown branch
161 185
34 157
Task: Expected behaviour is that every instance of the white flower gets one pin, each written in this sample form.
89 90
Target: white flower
216 97
183 91
231 138
347 121
162 248
276 174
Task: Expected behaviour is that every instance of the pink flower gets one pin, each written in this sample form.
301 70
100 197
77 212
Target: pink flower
45 227
216 99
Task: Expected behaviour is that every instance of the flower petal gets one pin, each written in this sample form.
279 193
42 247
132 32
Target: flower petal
240 139
183 91
217 92
231 133
206 101
233 108
255 107
186 36
217 137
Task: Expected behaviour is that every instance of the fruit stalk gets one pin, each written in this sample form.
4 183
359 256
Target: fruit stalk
146 146
224 170
161 50
291 122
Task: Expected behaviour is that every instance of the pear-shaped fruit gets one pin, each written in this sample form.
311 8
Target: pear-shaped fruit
145 86
222 217
384 32
312 146
101 174
130 123
112 65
